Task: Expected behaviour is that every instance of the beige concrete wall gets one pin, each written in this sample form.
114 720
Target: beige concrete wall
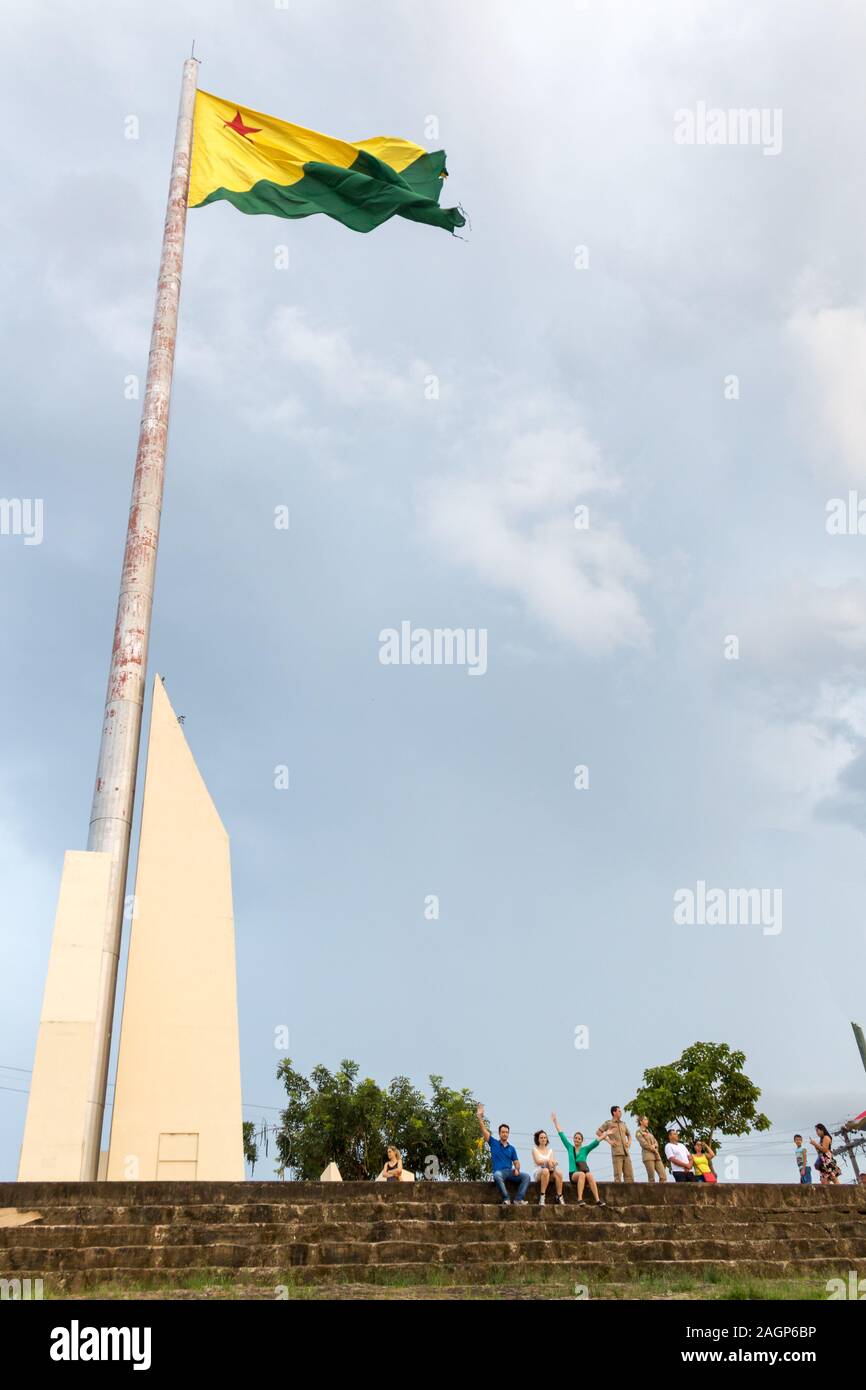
177 1104
56 1111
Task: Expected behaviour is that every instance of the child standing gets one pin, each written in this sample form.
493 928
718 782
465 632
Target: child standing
801 1154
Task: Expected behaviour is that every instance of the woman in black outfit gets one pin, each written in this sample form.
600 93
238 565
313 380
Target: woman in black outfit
393 1170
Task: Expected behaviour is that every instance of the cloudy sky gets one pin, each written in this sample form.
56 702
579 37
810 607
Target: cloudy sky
671 335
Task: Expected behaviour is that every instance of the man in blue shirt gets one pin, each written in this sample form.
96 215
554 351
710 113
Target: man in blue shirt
506 1164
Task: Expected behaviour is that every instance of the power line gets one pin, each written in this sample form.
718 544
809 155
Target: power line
757 1145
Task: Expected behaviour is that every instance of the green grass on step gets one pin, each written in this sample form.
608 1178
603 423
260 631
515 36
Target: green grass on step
507 1281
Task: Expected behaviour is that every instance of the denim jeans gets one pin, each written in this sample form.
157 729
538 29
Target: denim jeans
508 1175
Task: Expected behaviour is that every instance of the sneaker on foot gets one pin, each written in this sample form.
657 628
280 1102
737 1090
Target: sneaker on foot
601 1202
506 1202
581 1203
541 1201
560 1201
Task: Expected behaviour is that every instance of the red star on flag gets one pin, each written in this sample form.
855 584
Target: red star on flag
241 129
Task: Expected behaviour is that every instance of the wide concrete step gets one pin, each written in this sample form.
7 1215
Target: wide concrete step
255 1212
85 1235
593 1228
753 1195
492 1254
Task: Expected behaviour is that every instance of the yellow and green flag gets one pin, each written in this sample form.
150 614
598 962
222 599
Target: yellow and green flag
262 165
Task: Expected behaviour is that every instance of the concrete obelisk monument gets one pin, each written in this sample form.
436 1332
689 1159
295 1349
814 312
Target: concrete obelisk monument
177 1102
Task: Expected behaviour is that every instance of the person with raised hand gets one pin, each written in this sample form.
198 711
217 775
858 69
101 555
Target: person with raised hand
578 1167
504 1160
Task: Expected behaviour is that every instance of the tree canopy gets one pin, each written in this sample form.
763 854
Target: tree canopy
334 1116
705 1093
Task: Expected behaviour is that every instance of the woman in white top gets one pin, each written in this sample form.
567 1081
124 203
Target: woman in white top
546 1165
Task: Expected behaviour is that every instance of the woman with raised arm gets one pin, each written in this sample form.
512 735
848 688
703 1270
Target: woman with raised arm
702 1161
578 1168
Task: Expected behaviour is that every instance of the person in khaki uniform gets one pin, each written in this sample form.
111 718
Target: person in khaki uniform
620 1142
649 1152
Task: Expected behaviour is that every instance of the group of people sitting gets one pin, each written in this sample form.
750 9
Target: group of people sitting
685 1166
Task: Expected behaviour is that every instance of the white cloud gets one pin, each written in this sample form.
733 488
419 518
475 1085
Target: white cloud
119 322
831 344
508 515
805 632
228 346
802 662
329 355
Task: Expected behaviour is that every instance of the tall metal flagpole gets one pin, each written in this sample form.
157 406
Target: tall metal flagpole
114 794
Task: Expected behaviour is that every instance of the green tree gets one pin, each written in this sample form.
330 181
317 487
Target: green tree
335 1117
454 1133
330 1117
251 1148
704 1094
406 1123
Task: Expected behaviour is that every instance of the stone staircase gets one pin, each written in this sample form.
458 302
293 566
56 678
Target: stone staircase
80 1236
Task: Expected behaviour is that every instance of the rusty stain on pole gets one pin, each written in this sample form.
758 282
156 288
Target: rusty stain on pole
114 793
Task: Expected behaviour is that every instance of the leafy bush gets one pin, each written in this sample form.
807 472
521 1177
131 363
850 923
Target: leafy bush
332 1116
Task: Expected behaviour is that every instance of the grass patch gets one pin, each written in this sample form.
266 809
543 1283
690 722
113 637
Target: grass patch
199 1279
774 1290
505 1282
